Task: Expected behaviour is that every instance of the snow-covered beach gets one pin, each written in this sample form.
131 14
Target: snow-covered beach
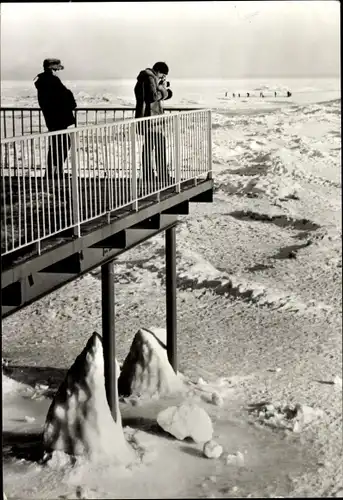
259 311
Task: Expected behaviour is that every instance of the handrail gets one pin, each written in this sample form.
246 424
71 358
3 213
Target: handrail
94 127
17 121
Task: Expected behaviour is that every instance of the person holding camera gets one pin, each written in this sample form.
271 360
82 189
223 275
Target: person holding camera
151 90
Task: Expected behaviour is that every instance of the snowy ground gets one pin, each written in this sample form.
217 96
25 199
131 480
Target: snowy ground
259 303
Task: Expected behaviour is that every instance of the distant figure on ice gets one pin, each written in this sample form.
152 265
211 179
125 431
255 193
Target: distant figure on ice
248 95
239 95
274 94
261 94
57 104
289 93
233 95
225 94
150 90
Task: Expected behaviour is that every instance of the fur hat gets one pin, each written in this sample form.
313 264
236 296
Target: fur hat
52 63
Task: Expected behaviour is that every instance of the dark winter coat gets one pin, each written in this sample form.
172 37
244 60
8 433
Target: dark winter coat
56 101
149 94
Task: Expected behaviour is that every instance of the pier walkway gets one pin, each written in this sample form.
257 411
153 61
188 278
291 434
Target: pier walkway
103 202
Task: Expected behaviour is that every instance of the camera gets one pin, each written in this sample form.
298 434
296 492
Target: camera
164 82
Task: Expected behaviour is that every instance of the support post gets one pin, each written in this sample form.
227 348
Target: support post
170 242
108 336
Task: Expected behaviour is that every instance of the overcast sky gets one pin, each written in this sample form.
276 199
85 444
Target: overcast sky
98 40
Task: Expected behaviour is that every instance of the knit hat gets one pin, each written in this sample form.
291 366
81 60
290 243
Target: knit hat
52 63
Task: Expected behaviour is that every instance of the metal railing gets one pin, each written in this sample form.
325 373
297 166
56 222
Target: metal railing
60 180
16 122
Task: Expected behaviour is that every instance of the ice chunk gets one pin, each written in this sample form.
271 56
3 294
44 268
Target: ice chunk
186 420
212 449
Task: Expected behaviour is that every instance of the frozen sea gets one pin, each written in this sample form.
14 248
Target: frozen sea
259 293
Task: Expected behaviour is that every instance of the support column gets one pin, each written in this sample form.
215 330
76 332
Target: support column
108 335
170 241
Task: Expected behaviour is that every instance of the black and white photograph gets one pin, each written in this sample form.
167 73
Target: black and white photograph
171 249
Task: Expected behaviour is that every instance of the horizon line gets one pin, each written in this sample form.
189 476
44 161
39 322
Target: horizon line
21 79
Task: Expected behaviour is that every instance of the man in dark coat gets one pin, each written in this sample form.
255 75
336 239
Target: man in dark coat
57 104
150 90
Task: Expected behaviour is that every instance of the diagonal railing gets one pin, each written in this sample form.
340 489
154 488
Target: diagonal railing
98 170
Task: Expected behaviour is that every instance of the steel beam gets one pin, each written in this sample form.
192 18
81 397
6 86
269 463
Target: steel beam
108 335
16 271
170 242
45 283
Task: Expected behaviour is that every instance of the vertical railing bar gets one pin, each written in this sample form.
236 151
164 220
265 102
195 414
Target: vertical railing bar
162 152
60 164
127 166
87 185
64 211
13 123
53 184
107 172
92 176
70 188
134 166
75 190
95 149
82 174
22 150
5 123
105 167
210 167
85 173
37 197
11 193
121 165
120 173
110 155
151 172
191 142
42 183
98 148
30 184
22 122
177 152
4 195
158 149
47 145
117 157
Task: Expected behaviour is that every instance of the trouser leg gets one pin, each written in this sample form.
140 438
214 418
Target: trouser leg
160 155
59 146
146 156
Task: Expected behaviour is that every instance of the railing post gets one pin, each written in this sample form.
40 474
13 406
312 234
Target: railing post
108 336
170 242
177 153
74 184
209 138
134 166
